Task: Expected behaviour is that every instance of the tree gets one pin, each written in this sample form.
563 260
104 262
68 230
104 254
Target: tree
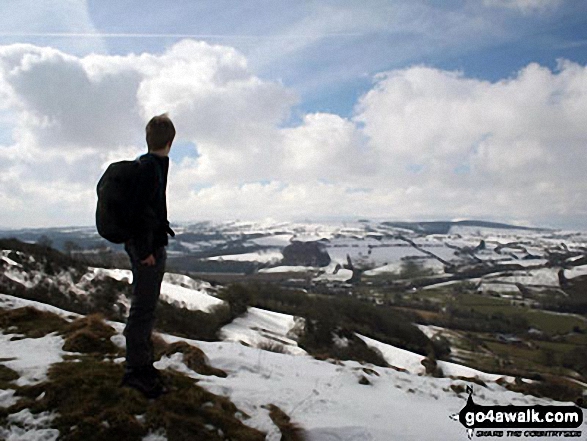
45 241
71 246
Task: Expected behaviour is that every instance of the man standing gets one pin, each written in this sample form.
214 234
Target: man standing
146 250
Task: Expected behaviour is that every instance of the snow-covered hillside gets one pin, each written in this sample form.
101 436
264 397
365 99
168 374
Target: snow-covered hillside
260 349
331 401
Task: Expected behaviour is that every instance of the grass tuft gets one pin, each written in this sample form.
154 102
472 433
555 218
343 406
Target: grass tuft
7 376
289 431
555 388
475 380
364 381
90 405
90 335
31 322
194 358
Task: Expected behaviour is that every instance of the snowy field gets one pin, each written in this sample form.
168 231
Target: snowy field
379 248
263 257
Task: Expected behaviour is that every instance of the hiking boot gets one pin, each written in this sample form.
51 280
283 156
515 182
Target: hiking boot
153 372
159 377
147 380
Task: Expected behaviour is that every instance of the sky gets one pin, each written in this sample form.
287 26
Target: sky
300 110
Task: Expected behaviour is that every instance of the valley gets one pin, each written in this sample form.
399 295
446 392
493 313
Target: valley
432 306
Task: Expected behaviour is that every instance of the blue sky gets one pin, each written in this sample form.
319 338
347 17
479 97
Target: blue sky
328 51
316 86
334 57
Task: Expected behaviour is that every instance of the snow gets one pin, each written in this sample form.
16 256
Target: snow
397 357
391 268
26 418
186 281
545 277
324 398
528 262
9 261
118 274
505 288
7 398
189 298
441 250
11 302
31 357
20 276
413 362
155 437
175 288
287 269
192 246
342 275
371 252
259 256
576 271
431 330
309 236
258 326
278 240
458 370
444 284
496 232
395 268
327 400
27 426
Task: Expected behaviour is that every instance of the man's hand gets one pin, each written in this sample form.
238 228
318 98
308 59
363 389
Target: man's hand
149 261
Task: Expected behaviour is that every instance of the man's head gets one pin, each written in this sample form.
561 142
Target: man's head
160 133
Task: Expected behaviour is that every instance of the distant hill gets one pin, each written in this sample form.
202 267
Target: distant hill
443 227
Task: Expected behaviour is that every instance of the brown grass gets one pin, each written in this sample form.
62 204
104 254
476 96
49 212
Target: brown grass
31 322
193 357
289 431
90 335
7 376
90 405
552 387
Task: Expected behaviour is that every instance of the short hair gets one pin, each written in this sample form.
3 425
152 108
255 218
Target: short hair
160 132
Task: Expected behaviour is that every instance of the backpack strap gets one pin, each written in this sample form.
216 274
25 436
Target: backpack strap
160 187
158 171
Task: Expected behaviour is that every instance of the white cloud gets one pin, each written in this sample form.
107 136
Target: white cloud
211 92
68 115
423 142
512 147
326 147
62 104
438 145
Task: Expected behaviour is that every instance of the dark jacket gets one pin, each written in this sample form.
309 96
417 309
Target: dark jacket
150 206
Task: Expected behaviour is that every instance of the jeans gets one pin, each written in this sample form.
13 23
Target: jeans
146 288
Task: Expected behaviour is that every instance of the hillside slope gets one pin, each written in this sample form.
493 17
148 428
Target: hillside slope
60 370
330 401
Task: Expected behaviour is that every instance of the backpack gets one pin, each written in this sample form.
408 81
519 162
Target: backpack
116 195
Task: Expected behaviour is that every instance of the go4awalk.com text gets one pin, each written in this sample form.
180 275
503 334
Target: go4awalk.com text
520 421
